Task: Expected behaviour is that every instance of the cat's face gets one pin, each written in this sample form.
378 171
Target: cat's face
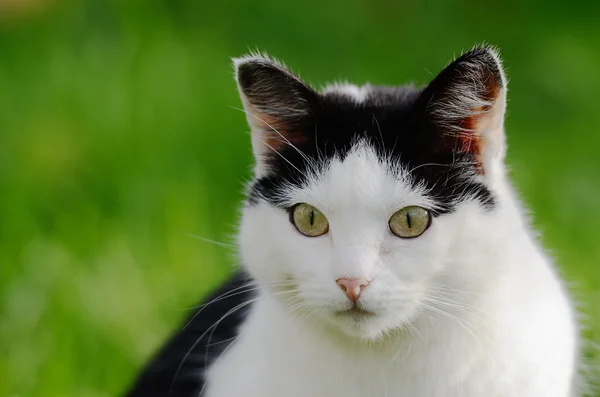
368 204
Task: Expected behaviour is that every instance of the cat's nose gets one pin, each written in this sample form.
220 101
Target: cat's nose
352 287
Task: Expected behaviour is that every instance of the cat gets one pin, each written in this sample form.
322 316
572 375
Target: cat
385 252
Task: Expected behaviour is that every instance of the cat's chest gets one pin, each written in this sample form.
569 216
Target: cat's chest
309 368
273 359
301 377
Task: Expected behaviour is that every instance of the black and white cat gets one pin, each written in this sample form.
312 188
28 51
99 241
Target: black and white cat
384 252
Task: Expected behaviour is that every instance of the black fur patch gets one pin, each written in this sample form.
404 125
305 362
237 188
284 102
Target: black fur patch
393 123
170 373
403 124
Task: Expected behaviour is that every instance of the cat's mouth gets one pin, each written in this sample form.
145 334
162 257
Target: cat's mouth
356 312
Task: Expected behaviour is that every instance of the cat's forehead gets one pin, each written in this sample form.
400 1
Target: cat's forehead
362 180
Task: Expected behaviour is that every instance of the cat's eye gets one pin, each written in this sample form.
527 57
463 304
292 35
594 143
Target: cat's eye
410 222
308 220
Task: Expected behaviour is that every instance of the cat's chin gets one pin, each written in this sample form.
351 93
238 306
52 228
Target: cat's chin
364 325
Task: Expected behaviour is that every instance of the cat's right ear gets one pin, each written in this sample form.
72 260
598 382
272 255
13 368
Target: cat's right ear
278 105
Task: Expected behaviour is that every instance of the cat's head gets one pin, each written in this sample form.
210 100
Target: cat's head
371 205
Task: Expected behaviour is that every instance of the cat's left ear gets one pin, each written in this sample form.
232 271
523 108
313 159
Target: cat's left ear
465 105
277 103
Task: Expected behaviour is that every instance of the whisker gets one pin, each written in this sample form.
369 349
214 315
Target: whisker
428 165
236 308
214 327
378 129
222 354
226 295
455 305
457 320
450 289
207 240
413 329
256 285
218 298
285 159
302 154
222 341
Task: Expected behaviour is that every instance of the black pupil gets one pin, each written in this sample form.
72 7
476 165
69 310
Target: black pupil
408 220
312 218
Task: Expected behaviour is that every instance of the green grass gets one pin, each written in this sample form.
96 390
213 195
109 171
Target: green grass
118 139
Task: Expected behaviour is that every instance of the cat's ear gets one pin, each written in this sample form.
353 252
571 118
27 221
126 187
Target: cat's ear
277 103
466 103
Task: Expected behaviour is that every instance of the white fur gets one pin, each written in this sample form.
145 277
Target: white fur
509 328
357 93
472 308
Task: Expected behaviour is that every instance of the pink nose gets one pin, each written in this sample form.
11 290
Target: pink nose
352 287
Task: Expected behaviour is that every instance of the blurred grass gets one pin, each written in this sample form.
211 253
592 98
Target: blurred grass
118 139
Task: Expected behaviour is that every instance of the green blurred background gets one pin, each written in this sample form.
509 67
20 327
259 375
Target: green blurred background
119 141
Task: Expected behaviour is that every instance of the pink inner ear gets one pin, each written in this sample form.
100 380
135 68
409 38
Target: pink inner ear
285 140
470 140
279 136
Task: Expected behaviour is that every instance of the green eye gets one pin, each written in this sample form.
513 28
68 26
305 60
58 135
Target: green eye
309 220
410 222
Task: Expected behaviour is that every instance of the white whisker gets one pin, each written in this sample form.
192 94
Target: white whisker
207 240
211 328
302 154
284 158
